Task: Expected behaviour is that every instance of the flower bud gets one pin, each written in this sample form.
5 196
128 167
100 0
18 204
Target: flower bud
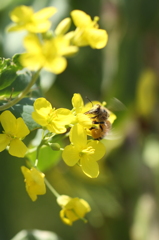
63 26
55 146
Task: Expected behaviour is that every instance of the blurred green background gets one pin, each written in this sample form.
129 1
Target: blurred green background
125 197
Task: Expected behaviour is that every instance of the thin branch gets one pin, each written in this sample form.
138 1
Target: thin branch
22 94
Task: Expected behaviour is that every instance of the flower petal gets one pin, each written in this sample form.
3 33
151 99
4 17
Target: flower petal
32 43
17 148
77 102
38 118
100 150
8 122
112 117
64 217
4 141
97 38
62 200
84 120
56 127
32 61
39 27
70 155
80 206
64 116
21 13
80 18
22 129
45 13
78 136
89 167
56 65
42 106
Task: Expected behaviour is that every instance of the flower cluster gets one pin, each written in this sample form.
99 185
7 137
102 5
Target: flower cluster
48 49
82 150
51 49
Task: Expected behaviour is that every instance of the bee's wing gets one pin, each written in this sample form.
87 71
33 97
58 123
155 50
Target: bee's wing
116 105
113 135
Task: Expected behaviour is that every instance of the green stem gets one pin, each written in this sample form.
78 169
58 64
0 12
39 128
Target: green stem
51 188
38 149
22 94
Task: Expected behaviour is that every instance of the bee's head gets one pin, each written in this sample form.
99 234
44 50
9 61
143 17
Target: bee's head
95 109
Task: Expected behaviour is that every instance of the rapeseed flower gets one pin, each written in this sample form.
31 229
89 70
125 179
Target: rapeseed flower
87 31
47 54
25 19
72 209
34 182
85 153
53 120
14 131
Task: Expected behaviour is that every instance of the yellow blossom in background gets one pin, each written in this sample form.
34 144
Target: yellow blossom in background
84 152
47 54
72 209
53 120
14 131
34 182
146 92
25 19
87 31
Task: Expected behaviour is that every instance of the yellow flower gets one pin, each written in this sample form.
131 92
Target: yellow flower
34 182
54 120
72 209
78 111
25 19
14 131
87 32
84 152
47 54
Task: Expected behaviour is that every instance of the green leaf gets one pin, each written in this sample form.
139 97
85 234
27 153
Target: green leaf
20 82
7 76
47 157
11 81
16 61
5 63
7 72
24 109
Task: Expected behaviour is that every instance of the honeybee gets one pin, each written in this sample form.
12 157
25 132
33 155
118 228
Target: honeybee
100 116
